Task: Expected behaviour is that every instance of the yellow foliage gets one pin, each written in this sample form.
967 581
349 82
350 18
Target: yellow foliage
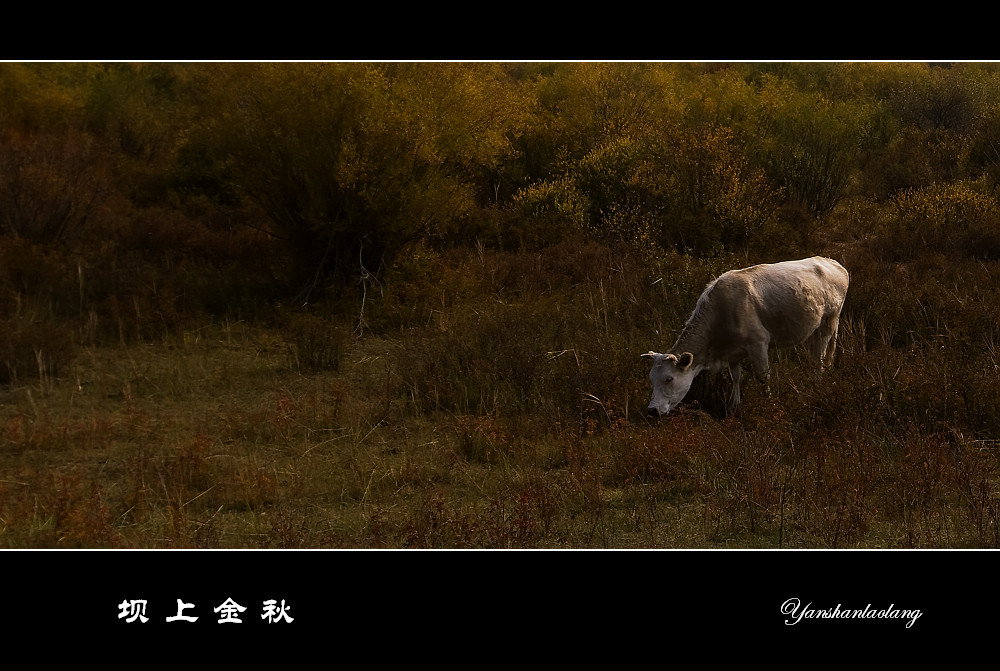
943 206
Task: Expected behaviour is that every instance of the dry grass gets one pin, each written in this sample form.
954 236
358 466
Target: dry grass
505 412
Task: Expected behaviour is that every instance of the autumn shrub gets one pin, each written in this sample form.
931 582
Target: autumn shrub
493 339
487 362
36 343
34 350
37 277
573 263
921 336
827 488
51 184
958 218
316 343
932 484
548 211
913 159
419 290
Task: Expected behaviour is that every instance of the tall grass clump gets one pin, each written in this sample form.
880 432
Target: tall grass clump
554 335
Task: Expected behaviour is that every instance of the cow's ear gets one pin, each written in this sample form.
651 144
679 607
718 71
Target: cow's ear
685 360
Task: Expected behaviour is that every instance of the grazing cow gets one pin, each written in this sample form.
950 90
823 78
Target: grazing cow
744 312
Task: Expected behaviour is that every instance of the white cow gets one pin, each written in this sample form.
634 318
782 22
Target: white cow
744 312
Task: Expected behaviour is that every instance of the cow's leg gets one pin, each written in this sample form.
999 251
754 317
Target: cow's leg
823 342
831 345
758 359
818 345
736 372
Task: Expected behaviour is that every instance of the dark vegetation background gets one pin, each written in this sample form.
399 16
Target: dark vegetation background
401 304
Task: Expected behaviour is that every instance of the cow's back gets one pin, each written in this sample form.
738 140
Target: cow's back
782 303
793 297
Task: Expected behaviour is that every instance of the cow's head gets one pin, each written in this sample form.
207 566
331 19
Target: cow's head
671 377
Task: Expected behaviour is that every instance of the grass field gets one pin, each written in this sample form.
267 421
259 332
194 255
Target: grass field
500 404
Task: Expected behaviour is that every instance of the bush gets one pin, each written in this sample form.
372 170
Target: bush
550 211
315 343
960 218
33 350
